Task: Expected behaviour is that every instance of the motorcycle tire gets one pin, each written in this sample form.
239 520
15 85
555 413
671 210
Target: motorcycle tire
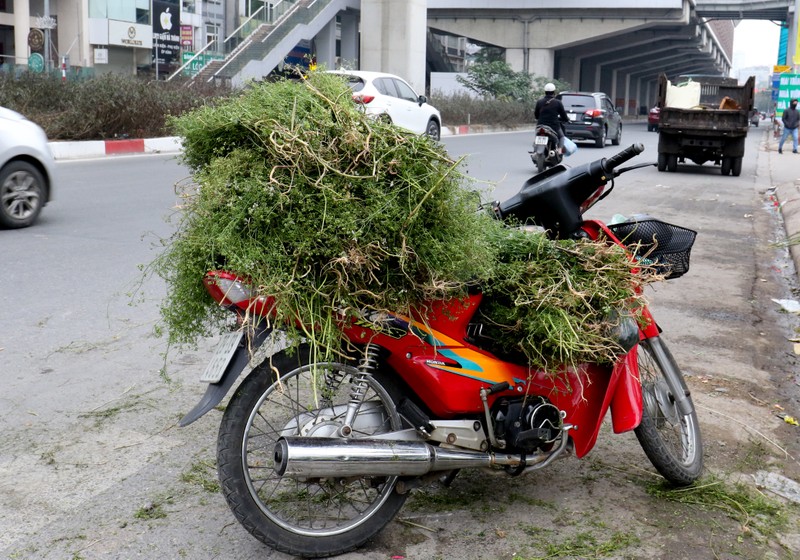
286 395
540 164
670 440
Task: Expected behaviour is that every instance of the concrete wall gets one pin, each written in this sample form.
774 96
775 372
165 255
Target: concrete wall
446 83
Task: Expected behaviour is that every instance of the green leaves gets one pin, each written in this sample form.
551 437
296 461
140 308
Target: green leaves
320 206
553 302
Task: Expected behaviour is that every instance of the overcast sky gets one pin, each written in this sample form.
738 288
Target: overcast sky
755 44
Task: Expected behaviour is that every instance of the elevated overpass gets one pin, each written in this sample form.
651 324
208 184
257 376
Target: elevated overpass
619 47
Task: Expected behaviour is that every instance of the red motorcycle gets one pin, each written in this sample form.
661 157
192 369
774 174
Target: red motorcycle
316 458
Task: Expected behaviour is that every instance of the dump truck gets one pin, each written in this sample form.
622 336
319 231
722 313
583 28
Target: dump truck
703 118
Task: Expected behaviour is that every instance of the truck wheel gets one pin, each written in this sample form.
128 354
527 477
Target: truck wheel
672 163
726 166
662 161
736 166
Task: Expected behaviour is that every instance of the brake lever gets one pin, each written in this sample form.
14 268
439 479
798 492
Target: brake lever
619 172
622 170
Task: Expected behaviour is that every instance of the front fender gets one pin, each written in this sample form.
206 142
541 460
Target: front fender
217 391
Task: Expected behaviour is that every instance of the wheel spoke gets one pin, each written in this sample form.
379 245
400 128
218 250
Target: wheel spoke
297 405
670 439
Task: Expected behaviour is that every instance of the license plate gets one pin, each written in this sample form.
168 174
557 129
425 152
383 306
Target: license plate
572 116
222 355
540 141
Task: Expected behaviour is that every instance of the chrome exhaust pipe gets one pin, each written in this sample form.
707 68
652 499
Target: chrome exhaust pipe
315 457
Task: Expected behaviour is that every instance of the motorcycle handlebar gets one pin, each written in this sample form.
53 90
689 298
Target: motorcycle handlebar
618 159
556 199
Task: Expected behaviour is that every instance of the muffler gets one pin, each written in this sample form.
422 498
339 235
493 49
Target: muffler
317 457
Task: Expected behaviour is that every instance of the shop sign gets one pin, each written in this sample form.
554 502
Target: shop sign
166 34
198 63
187 37
127 34
788 89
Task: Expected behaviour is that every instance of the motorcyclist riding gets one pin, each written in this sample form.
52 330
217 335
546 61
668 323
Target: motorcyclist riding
550 111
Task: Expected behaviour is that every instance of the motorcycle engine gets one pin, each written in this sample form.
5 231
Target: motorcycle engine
527 424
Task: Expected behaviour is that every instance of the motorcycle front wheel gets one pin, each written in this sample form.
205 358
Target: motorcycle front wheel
670 440
288 395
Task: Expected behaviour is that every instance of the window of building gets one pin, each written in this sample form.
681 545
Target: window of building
137 11
213 34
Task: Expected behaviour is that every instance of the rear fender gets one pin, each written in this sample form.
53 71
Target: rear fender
241 357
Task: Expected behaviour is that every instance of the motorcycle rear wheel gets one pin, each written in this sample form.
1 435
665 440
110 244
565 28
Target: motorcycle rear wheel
289 395
538 160
670 440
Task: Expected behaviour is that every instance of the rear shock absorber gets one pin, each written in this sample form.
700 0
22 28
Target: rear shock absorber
359 385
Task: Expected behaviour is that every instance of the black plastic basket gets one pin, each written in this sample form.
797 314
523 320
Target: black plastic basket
658 243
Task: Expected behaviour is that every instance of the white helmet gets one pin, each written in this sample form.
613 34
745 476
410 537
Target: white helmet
549 87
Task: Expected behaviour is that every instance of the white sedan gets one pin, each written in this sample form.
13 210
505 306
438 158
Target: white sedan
27 170
389 97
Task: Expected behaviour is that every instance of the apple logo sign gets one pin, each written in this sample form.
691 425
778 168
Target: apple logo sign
166 20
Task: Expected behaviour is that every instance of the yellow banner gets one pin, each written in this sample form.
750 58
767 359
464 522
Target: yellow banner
780 69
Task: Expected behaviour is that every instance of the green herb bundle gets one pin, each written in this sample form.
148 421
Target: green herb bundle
558 302
332 213
327 210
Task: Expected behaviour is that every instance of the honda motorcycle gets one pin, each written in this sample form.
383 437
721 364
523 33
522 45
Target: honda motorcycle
315 458
546 148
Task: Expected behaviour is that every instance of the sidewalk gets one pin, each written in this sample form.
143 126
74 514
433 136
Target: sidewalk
782 172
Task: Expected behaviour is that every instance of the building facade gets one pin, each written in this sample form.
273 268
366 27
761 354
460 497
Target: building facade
87 37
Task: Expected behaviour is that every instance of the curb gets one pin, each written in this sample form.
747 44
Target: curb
172 144
99 148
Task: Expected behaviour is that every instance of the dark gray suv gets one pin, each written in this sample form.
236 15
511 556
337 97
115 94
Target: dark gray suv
592 116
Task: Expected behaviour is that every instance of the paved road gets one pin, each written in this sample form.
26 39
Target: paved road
92 465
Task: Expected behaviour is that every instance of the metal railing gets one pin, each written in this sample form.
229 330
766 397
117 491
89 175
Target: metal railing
268 13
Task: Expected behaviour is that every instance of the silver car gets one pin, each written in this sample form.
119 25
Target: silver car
27 170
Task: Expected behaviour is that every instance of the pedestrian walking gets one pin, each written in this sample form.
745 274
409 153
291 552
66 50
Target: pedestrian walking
790 118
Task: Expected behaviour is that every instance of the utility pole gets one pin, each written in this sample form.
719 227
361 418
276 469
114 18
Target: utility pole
47 36
792 45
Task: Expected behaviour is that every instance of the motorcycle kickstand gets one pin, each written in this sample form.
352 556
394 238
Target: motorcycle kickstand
407 485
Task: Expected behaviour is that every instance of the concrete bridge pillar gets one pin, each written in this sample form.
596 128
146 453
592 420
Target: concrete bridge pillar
394 38
22 26
325 46
541 62
349 40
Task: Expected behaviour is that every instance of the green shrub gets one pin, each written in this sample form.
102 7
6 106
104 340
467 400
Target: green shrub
461 108
107 106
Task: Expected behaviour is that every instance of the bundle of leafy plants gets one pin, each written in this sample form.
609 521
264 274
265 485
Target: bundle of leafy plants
559 302
319 206
333 213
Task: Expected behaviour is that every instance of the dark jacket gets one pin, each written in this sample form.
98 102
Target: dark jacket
550 111
790 118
